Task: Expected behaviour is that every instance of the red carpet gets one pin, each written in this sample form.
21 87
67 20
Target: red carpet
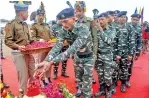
139 80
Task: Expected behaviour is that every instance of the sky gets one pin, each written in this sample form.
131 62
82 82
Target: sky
53 7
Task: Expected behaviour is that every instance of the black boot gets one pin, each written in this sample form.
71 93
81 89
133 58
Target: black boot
102 91
109 92
113 88
123 88
64 64
55 71
79 93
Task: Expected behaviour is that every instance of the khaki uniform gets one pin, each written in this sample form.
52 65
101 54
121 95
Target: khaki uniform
40 31
17 34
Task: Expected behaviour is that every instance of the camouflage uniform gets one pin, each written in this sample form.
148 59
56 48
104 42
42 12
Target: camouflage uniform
56 30
126 45
92 27
81 39
105 64
115 77
138 46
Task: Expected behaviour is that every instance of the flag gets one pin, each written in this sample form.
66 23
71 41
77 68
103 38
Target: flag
136 11
142 12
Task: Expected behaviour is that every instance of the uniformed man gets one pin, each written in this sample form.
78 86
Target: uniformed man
114 25
115 16
105 64
16 38
40 31
125 51
80 9
138 43
80 48
56 30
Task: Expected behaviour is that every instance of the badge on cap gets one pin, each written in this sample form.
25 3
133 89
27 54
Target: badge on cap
62 16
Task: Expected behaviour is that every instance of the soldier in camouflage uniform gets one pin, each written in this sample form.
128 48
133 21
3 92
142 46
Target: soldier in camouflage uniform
56 30
125 51
115 16
80 48
80 9
138 43
105 64
114 25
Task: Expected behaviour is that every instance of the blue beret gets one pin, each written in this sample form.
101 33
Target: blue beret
116 11
122 13
136 15
40 12
66 13
103 15
110 12
20 7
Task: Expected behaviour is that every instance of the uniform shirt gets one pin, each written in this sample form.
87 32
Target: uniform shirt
16 33
126 40
106 40
89 23
40 31
81 38
115 26
138 38
55 29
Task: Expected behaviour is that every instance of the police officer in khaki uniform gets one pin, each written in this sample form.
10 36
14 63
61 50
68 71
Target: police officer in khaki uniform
40 31
17 37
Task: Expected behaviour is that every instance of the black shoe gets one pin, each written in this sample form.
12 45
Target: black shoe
127 84
94 81
64 75
79 93
6 85
109 94
113 89
55 75
123 88
101 93
49 79
44 83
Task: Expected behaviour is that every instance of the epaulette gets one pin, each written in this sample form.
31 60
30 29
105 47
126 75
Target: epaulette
8 24
34 23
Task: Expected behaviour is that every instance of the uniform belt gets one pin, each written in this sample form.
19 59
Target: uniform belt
85 55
